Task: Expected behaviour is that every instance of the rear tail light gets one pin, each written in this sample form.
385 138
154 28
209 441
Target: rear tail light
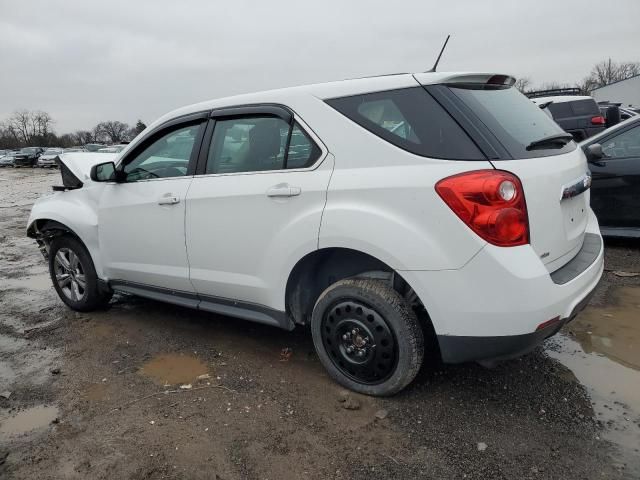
489 202
598 120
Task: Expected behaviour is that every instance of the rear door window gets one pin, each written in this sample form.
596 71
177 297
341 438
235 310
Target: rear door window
411 119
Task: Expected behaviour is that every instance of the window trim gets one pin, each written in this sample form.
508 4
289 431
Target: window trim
262 109
163 129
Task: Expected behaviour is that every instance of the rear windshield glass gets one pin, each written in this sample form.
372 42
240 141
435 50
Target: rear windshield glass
515 120
585 107
410 119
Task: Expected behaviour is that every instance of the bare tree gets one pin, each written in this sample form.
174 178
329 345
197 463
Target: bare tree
609 71
82 137
523 84
114 131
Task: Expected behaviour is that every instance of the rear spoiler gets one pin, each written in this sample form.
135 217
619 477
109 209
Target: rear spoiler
497 79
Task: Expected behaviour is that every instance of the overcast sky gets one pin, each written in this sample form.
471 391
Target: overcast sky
85 61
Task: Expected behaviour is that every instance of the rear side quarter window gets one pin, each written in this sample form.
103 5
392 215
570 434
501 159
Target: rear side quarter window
411 119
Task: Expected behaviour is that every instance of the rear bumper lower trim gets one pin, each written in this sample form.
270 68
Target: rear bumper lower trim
591 247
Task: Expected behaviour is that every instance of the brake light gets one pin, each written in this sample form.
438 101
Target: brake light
489 202
598 120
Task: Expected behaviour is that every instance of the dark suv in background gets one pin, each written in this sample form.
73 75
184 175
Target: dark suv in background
576 114
28 157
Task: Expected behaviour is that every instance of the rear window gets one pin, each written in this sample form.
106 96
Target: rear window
585 107
411 119
513 119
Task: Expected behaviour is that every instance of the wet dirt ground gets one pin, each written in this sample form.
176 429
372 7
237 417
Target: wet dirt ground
144 390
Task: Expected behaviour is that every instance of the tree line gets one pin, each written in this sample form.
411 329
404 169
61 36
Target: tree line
602 73
34 128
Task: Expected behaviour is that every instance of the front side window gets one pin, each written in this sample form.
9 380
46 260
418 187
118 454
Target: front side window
627 144
255 144
166 157
411 119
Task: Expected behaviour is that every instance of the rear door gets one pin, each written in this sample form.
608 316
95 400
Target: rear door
513 126
615 195
259 193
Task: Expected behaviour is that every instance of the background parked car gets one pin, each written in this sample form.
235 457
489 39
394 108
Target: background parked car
74 149
576 114
27 157
48 158
112 149
93 147
7 158
615 113
615 189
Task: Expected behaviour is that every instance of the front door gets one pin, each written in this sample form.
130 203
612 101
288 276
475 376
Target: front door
141 218
615 193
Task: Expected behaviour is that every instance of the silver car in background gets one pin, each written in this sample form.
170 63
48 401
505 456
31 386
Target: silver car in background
48 158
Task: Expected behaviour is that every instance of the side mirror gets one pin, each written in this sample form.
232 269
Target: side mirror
103 172
594 153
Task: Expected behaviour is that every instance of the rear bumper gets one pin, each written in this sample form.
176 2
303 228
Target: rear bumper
459 349
492 307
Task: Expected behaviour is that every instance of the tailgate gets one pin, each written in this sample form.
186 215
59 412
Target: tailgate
557 196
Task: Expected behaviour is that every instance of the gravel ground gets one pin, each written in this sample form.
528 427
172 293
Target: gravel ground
99 395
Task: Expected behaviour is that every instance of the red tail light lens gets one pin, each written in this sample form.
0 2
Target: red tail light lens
599 120
491 203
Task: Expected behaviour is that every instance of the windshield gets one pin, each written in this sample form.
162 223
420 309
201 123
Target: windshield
514 120
53 151
28 150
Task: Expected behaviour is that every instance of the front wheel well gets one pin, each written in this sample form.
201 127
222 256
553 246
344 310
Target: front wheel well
45 230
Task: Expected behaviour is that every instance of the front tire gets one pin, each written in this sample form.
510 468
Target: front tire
74 275
367 336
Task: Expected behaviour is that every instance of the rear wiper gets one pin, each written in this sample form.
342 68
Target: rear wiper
560 140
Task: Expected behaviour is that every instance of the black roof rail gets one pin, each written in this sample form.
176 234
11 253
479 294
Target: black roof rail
554 92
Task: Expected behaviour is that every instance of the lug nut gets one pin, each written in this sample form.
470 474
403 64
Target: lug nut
345 337
361 353
354 332
349 349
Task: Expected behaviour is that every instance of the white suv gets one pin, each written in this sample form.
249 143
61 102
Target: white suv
392 214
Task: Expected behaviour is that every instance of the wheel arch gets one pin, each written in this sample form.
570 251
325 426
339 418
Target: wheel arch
314 272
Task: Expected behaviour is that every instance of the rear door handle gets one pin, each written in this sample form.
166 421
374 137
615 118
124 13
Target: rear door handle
168 199
283 190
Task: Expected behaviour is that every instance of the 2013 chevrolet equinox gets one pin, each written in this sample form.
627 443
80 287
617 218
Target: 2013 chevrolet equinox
381 211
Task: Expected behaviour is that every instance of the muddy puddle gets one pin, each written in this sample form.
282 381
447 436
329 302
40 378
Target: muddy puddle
602 349
40 283
27 421
173 369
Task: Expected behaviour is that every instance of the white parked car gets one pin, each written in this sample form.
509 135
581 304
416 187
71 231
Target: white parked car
392 214
48 158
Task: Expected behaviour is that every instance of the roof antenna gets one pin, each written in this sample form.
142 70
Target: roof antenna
435 65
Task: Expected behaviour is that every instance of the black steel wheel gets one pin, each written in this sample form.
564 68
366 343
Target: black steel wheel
367 336
359 341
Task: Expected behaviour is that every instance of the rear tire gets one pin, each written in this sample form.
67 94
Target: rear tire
74 275
367 337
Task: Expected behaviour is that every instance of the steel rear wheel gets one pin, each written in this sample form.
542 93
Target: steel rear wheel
367 337
359 342
74 276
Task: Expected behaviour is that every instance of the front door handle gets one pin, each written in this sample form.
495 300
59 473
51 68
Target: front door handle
283 190
168 199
